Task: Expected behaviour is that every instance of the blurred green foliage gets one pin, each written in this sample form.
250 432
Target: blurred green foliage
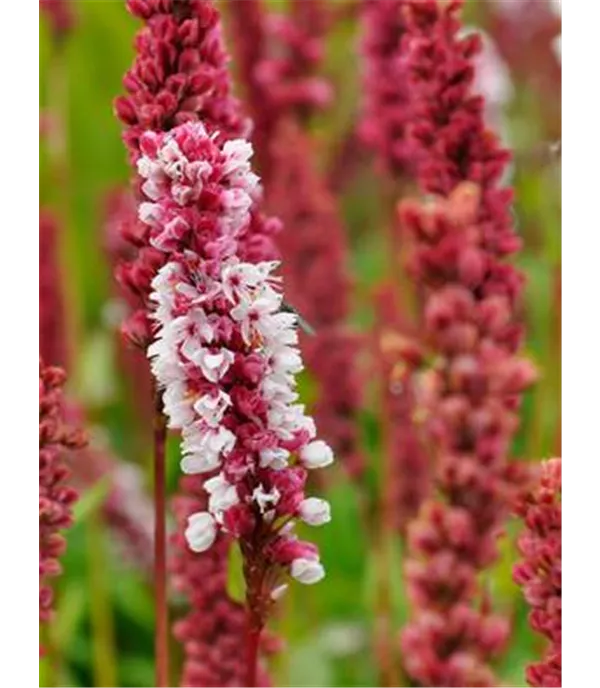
104 622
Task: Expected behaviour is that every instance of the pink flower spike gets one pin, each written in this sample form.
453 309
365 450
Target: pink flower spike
233 394
192 85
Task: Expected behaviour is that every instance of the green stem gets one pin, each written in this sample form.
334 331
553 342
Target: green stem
58 146
103 635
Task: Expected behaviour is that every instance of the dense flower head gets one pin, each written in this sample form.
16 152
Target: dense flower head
539 572
56 496
385 113
290 73
180 73
280 56
214 628
448 134
225 353
52 333
227 369
394 63
471 400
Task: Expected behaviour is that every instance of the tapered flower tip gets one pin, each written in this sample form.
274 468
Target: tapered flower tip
201 531
307 571
316 454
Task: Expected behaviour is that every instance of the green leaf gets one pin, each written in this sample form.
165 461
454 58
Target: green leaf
136 670
91 500
134 598
44 671
236 586
70 613
65 677
308 389
173 462
343 547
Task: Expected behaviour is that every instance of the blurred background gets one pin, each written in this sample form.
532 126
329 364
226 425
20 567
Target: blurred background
103 631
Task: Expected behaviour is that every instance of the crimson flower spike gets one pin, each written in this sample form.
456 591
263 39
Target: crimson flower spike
540 573
459 243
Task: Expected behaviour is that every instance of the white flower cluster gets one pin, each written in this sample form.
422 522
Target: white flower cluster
215 313
187 348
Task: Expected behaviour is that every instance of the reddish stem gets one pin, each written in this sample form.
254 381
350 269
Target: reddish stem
161 636
256 606
252 643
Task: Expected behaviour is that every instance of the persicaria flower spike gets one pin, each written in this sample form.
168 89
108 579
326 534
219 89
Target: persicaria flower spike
56 496
459 241
539 573
179 75
385 112
225 353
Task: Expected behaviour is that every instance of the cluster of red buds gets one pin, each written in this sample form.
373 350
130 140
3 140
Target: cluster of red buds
385 113
180 72
53 345
56 496
470 396
540 571
179 75
279 58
